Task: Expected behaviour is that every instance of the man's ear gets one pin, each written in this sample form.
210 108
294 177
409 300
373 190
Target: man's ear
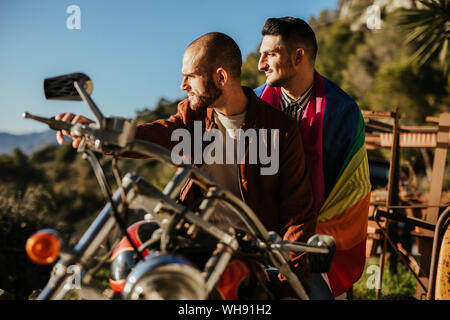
299 55
222 76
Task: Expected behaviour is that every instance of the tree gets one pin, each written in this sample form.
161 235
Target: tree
429 32
250 75
163 110
336 43
416 91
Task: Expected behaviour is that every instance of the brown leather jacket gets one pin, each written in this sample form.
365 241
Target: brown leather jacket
283 201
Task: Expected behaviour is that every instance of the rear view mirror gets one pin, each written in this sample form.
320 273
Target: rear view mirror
319 262
62 87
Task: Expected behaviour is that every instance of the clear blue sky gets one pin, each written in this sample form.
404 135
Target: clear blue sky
132 50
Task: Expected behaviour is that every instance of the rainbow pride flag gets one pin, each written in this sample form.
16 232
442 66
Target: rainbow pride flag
333 135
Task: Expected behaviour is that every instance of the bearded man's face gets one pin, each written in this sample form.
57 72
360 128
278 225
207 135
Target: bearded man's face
198 82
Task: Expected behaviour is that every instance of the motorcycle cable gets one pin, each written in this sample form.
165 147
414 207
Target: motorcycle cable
234 205
118 178
99 174
116 173
166 231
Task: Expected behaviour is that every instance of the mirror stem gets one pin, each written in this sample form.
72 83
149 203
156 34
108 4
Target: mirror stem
86 98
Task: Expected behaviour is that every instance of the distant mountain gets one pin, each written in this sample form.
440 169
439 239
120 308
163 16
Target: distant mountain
28 143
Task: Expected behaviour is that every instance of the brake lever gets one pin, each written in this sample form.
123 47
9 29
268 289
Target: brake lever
51 122
117 132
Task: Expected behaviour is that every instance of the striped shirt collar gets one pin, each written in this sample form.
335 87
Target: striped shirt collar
295 107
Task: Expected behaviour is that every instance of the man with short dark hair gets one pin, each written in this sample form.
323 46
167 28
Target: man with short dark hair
333 136
283 201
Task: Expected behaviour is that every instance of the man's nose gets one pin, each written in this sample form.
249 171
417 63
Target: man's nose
184 86
262 64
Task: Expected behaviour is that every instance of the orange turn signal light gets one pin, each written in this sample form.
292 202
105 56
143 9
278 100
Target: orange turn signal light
43 246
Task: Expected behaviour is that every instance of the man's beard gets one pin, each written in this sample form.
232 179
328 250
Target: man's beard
276 82
212 94
282 82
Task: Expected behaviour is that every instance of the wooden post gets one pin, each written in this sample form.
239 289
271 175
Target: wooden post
379 282
437 178
392 199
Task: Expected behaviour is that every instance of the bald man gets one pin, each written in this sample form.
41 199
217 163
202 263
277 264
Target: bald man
283 200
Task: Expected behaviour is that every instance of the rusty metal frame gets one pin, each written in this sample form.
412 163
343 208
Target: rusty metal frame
404 257
430 224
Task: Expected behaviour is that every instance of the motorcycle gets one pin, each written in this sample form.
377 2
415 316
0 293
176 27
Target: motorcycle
162 268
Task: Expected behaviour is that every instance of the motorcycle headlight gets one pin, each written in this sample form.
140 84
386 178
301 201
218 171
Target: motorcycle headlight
165 277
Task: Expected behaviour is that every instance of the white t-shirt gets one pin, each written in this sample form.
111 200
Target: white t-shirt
226 174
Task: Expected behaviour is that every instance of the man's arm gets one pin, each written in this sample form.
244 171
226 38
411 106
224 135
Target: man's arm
159 131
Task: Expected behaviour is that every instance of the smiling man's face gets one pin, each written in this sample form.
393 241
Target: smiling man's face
275 61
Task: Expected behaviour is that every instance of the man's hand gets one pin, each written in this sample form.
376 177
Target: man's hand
73 119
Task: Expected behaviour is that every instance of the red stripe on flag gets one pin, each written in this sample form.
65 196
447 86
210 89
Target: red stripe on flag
346 268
